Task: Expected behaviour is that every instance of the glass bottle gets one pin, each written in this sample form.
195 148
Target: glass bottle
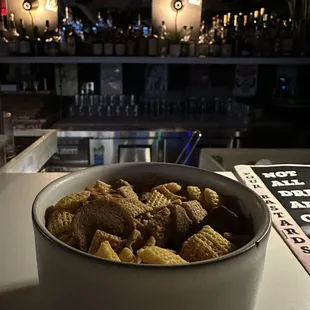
97 45
2 26
13 37
120 46
226 39
131 44
24 41
287 38
71 42
215 41
152 43
163 42
184 42
37 43
202 47
4 48
108 42
191 42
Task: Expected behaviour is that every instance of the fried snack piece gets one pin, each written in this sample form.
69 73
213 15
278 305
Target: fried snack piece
181 225
134 207
221 220
128 256
171 187
72 201
67 238
135 240
160 227
237 239
116 242
103 186
171 196
204 245
194 193
59 222
105 251
128 192
103 214
211 198
121 183
194 210
150 242
157 255
157 200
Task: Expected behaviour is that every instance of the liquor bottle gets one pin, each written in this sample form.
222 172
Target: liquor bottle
257 42
141 39
24 41
47 39
248 36
266 38
152 43
97 45
191 42
2 26
37 43
71 42
13 37
120 46
4 48
215 41
184 42
202 47
163 42
108 42
287 38
226 39
131 45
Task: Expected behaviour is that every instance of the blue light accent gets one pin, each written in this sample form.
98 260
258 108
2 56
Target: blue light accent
283 87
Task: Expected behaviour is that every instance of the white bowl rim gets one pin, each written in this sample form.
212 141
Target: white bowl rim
262 233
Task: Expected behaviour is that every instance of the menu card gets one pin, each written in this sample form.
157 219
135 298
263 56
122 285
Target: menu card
286 191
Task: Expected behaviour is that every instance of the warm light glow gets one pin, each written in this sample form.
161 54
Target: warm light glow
37 14
166 10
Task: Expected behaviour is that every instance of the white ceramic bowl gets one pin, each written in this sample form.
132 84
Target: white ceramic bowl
72 279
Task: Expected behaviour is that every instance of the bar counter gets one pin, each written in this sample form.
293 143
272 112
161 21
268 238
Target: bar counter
285 284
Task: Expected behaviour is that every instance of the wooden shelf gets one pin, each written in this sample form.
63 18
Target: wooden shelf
157 60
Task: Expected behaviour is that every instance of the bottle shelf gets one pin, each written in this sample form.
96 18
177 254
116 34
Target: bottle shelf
157 60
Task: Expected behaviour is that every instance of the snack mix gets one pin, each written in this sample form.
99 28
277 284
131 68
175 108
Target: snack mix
169 224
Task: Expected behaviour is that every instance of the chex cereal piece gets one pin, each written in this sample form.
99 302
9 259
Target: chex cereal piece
59 222
194 193
103 186
194 210
204 245
160 227
105 251
121 183
127 256
211 197
171 196
171 187
72 201
67 238
116 242
128 192
135 240
134 207
181 224
150 242
104 214
157 200
157 255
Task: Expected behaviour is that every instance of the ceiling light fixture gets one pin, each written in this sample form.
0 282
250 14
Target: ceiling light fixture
29 5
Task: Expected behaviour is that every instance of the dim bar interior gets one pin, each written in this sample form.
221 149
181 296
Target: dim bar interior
215 84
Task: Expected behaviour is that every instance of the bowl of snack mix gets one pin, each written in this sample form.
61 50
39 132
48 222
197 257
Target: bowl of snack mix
149 236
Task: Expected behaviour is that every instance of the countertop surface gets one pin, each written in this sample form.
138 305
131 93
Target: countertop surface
285 284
